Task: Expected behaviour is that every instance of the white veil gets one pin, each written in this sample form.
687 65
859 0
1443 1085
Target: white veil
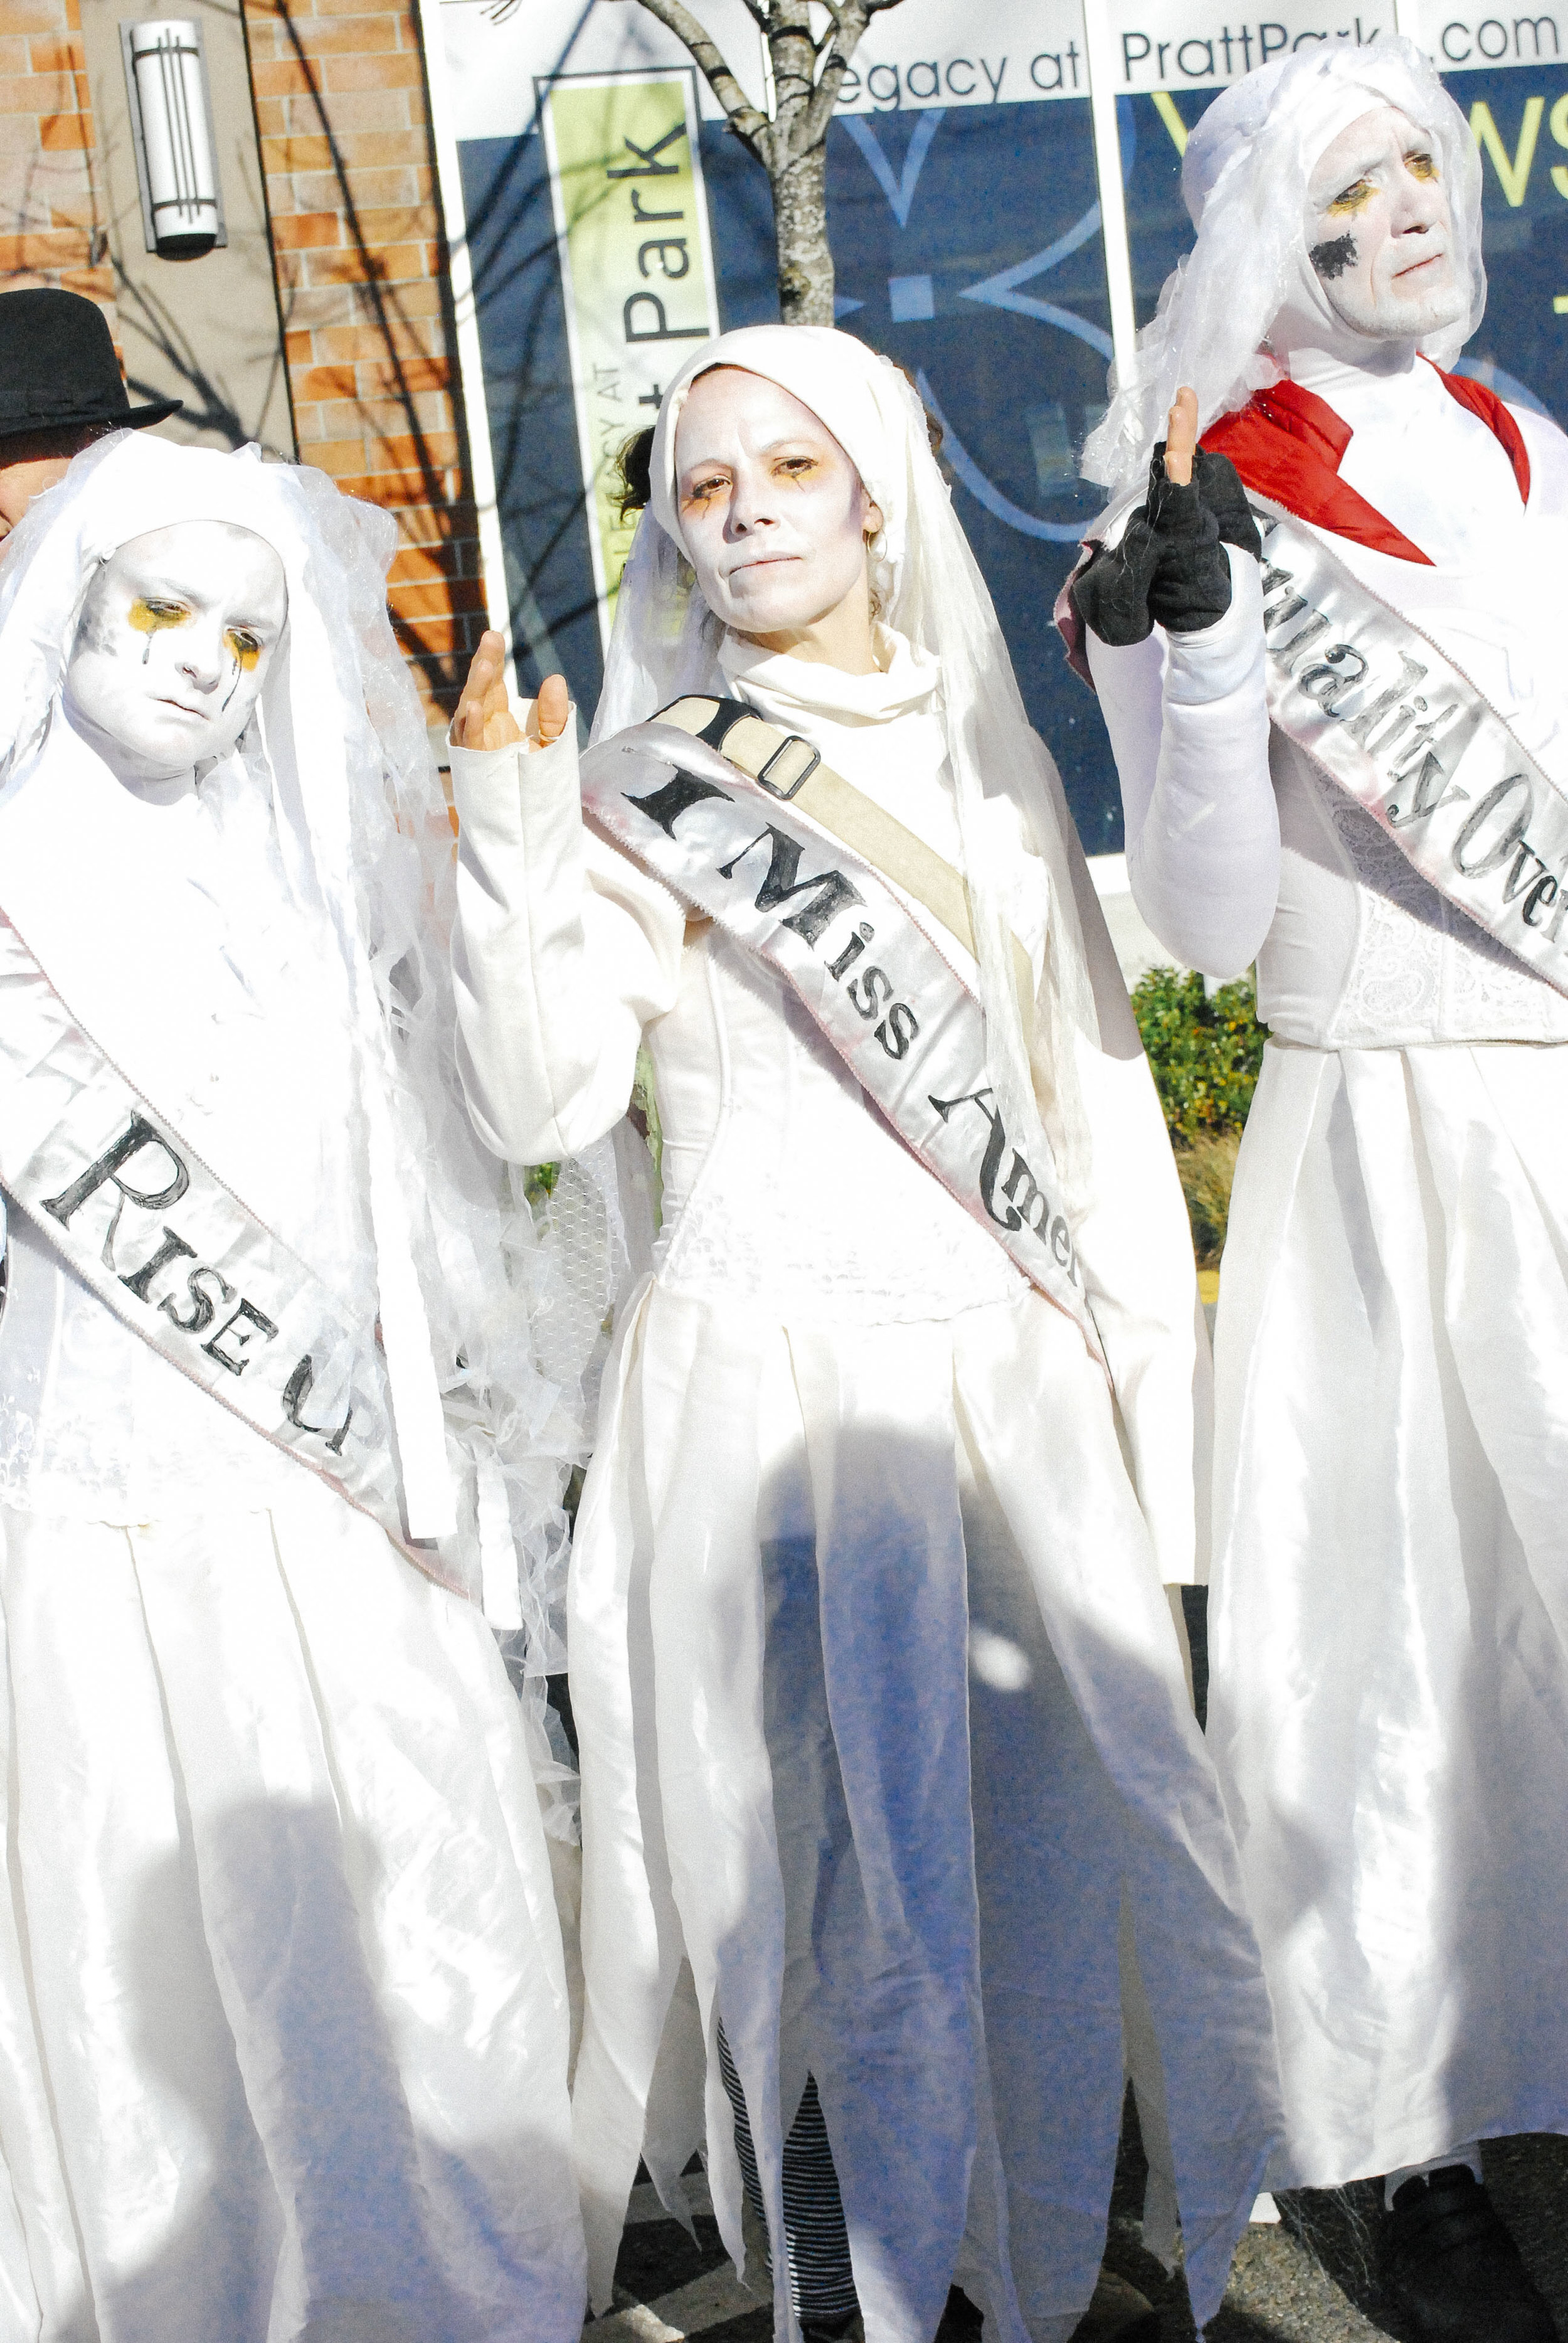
1082 1078
1245 179
664 642
330 821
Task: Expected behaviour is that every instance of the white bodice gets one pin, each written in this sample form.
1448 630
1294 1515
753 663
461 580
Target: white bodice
232 1049
782 1185
785 1191
1365 954
1233 855
1363 950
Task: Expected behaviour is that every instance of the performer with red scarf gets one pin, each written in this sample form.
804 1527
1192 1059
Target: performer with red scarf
1327 644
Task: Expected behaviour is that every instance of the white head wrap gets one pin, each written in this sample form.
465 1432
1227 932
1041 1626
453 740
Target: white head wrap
331 849
1245 179
666 642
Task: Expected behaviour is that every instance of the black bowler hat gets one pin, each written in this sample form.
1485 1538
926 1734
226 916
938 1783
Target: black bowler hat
58 371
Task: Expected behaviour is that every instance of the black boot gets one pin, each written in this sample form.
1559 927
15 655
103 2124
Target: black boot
961 2322
1118 2314
1452 2269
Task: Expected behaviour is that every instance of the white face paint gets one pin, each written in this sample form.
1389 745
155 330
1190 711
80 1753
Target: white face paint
175 637
1380 234
773 512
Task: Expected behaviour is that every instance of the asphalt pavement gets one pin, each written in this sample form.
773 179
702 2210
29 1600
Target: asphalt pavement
1311 2278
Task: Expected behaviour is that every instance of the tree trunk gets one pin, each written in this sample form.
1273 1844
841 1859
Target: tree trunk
800 236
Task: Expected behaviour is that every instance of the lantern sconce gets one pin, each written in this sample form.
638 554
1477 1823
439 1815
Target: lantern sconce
172 130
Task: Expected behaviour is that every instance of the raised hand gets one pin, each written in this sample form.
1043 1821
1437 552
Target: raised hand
485 718
1169 566
1181 438
548 719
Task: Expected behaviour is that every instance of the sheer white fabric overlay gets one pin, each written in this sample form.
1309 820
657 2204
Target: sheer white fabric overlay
282 1990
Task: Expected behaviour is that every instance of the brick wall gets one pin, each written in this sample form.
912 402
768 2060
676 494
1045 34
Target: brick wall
49 218
341 107
342 116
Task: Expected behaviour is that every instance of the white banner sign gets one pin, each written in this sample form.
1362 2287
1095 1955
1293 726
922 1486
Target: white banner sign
923 53
1192 44
1473 40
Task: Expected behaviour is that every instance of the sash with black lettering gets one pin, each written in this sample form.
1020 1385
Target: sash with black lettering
894 1002
1399 726
178 1258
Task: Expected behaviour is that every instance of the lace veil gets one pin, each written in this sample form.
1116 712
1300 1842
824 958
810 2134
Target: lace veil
1245 179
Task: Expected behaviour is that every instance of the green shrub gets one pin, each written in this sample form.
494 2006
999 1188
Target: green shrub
1204 1054
539 1184
1206 1171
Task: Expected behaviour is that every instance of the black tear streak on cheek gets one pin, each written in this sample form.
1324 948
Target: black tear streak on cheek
1331 261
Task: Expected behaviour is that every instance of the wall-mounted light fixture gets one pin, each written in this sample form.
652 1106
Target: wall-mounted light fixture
171 123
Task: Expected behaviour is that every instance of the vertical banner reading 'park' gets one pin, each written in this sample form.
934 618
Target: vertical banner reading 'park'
631 226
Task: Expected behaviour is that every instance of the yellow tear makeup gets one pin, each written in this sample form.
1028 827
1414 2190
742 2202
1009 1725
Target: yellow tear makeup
149 617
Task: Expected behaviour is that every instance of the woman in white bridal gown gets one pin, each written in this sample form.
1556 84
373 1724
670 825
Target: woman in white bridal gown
884 1732
282 2017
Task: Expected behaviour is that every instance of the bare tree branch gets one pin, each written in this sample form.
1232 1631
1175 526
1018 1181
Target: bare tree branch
851 19
746 123
813 123
807 75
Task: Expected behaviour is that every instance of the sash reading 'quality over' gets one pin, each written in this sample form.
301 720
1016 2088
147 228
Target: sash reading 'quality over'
721 831
179 1259
1401 728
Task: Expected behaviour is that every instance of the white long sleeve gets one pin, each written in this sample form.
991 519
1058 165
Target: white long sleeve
1189 725
563 952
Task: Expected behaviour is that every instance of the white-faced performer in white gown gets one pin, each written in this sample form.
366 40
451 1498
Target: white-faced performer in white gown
884 1733
283 2029
1358 772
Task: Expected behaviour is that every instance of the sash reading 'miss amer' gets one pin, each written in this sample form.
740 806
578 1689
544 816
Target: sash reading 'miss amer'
892 1004
1390 719
178 1258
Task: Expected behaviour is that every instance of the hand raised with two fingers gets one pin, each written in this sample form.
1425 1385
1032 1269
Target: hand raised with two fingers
484 718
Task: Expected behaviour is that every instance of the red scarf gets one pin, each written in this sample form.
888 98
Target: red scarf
1288 445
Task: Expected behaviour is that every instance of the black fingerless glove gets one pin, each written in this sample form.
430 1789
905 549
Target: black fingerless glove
1170 567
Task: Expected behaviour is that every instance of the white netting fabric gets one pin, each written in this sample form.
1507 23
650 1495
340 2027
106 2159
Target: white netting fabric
1244 178
329 824
666 642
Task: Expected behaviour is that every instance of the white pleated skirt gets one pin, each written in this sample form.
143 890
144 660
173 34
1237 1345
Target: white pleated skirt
283 2020
1389 1615
887 1753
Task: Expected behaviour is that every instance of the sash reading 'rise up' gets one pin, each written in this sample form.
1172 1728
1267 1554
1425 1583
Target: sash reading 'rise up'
179 1259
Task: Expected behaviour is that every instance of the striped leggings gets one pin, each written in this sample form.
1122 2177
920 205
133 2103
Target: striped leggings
821 2282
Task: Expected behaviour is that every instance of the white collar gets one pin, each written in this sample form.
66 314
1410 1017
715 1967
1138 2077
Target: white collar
906 679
